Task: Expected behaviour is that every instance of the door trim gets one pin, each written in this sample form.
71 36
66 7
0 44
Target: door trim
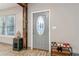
32 28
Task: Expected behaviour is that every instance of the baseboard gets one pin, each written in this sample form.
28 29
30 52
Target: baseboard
40 49
75 54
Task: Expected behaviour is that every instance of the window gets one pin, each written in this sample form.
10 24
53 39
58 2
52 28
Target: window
10 25
7 25
1 25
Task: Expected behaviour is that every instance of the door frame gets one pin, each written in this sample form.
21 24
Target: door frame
32 28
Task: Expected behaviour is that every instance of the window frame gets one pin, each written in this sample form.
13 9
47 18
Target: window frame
4 16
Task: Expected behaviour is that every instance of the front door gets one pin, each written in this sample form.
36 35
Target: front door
41 30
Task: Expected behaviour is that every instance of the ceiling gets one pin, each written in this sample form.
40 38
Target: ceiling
7 5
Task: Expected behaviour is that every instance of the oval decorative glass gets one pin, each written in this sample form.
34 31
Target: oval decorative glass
40 25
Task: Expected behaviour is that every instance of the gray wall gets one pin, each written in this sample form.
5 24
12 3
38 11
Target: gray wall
66 19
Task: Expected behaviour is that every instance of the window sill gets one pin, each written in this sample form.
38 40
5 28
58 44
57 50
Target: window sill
8 36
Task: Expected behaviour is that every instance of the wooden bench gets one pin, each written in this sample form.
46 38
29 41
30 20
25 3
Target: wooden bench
66 51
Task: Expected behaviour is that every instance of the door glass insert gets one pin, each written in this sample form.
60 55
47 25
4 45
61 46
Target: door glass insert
40 25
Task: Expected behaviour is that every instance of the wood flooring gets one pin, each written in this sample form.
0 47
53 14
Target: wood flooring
7 50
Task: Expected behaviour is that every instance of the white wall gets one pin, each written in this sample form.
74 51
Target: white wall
66 19
18 22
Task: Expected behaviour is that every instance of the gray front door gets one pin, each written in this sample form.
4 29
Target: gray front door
41 30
